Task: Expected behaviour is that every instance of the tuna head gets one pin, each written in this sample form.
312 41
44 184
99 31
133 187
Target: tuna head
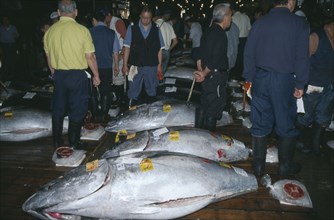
74 185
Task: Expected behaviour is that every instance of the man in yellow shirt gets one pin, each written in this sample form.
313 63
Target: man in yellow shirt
69 50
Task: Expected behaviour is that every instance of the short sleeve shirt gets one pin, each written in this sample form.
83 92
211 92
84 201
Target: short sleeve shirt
66 43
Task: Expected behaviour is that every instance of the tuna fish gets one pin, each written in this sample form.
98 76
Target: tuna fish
180 72
139 186
24 124
165 113
193 141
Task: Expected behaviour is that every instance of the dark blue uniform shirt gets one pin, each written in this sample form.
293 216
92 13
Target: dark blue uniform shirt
278 48
106 43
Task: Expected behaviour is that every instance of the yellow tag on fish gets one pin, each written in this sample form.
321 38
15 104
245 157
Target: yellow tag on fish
146 165
8 114
226 137
130 136
120 133
224 165
228 140
167 108
131 108
92 165
174 136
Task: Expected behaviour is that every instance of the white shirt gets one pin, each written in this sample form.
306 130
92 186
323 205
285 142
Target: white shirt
112 26
243 23
195 34
167 32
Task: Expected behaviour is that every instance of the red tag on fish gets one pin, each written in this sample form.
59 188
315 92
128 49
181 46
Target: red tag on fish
293 191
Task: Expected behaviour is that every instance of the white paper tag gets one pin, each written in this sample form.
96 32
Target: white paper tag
239 171
170 89
160 131
29 95
120 166
170 81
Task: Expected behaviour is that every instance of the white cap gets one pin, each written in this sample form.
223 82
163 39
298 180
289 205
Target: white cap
54 15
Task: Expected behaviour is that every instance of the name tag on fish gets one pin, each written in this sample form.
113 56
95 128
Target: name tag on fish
91 166
239 171
170 89
228 140
120 166
167 108
29 95
170 81
8 114
174 136
122 134
159 132
146 165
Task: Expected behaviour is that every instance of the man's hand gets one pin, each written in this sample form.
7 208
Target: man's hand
160 68
125 70
298 93
116 70
199 76
96 80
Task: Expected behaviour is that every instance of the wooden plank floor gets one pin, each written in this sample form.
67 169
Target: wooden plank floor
25 166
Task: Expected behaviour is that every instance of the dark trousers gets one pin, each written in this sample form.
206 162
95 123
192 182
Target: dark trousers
213 97
9 61
70 95
239 64
106 81
273 104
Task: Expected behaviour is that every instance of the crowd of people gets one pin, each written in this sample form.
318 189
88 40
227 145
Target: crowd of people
274 52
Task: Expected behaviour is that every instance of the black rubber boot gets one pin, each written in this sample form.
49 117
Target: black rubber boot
259 146
96 111
317 132
286 151
210 123
74 133
199 118
303 139
57 132
119 90
105 105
